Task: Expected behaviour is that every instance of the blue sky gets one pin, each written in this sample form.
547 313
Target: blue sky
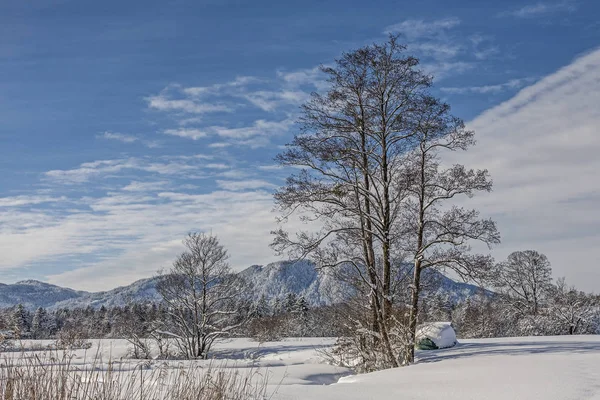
127 124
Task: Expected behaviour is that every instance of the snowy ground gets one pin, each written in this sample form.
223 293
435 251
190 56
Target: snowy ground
509 368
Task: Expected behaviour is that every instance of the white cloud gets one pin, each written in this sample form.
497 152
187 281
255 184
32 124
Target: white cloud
489 89
486 53
242 220
278 97
542 8
304 77
125 138
103 169
245 185
162 103
268 100
418 28
260 127
217 166
194 134
441 70
136 186
258 134
23 200
240 81
440 51
219 145
119 137
443 50
542 148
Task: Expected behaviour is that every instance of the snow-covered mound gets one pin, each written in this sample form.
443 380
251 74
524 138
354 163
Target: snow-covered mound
442 334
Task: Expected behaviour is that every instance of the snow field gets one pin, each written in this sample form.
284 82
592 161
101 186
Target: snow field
550 368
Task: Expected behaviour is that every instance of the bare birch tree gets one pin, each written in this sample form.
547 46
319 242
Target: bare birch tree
201 295
436 233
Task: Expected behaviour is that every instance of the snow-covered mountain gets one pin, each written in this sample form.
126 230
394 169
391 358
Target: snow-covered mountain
140 291
271 281
33 294
298 277
320 288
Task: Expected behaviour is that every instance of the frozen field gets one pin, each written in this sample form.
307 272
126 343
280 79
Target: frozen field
509 368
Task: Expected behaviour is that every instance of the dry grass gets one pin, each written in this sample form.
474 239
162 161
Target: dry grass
53 376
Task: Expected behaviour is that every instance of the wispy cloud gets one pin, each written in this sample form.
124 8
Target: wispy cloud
136 186
441 70
119 137
541 9
25 200
268 100
255 135
413 29
274 102
217 166
105 169
125 138
245 185
444 52
484 54
167 101
304 77
512 84
218 88
191 133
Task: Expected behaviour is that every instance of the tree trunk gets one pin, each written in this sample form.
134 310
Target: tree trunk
414 312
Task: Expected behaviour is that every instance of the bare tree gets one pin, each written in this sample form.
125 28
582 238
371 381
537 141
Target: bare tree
434 232
201 295
574 312
523 280
350 150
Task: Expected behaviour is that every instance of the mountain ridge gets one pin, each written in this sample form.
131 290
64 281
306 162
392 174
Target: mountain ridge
270 281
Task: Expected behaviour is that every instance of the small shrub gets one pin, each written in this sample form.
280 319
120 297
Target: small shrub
71 339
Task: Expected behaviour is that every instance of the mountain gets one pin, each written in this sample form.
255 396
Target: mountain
320 288
140 291
298 277
271 281
33 294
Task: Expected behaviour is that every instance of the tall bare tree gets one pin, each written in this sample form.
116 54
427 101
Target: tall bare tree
350 150
202 295
435 232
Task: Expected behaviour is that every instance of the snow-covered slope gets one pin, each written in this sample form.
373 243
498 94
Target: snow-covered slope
272 281
33 294
140 291
298 277
320 288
